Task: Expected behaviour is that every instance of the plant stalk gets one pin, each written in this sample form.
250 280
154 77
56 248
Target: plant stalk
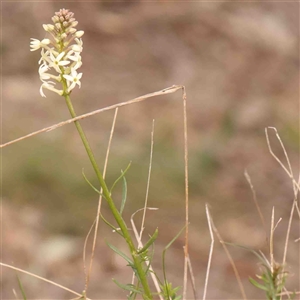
136 257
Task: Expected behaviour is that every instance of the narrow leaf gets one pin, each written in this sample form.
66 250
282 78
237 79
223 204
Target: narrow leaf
90 184
258 285
150 242
111 226
120 177
261 258
127 287
120 253
21 288
124 194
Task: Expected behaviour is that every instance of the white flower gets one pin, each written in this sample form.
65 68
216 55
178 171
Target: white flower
50 86
45 76
73 79
56 62
37 44
75 56
42 69
45 57
78 47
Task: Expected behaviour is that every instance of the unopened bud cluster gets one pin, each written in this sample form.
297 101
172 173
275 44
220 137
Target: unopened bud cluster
60 55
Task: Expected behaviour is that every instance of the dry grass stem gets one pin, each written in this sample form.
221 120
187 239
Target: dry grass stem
288 232
84 256
237 275
271 241
295 187
100 197
209 220
262 219
148 181
277 223
15 294
290 174
186 180
165 91
192 278
42 278
289 293
297 207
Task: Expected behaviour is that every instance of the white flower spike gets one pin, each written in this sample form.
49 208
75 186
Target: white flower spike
61 54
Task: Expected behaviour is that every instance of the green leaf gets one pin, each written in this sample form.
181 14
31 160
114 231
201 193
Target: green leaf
168 292
258 285
21 288
127 287
120 177
133 295
150 241
124 193
120 253
90 184
111 226
260 257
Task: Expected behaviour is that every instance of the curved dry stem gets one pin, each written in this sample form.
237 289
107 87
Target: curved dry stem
236 273
262 219
296 187
41 278
290 174
209 220
148 181
192 278
84 256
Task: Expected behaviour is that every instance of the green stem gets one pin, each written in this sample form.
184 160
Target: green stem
136 258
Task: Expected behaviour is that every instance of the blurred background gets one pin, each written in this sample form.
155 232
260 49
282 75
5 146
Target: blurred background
239 63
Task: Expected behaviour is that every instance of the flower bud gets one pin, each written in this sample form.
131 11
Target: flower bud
55 19
58 26
48 27
79 33
45 42
71 30
74 24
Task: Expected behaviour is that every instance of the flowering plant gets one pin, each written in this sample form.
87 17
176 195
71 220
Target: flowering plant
60 54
